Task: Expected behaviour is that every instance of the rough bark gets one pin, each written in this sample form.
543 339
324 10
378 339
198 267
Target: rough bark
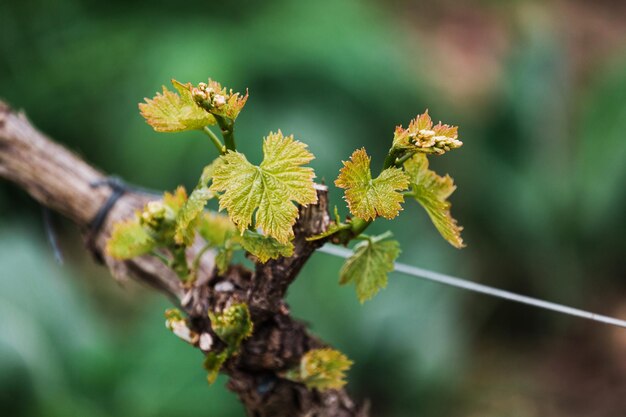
61 181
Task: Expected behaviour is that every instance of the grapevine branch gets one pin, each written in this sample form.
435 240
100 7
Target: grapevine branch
61 181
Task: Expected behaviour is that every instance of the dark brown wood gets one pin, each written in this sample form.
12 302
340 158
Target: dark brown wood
272 279
60 180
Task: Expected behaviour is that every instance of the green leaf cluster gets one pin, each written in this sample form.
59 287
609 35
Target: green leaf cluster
232 326
154 231
129 239
321 369
261 206
172 224
405 173
153 227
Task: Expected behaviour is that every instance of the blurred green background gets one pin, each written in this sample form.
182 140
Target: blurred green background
539 92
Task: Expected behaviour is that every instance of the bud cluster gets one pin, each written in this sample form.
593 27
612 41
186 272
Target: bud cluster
422 136
233 324
430 139
156 214
178 325
218 100
210 96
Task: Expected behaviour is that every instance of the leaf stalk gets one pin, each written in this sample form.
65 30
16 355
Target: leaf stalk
215 140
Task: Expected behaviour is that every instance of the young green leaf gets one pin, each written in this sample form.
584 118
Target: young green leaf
216 228
175 200
212 363
220 233
432 192
321 369
267 191
223 259
264 247
188 216
129 239
368 198
207 173
368 267
422 136
171 112
189 213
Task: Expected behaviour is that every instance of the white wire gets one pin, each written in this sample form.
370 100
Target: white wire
484 289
